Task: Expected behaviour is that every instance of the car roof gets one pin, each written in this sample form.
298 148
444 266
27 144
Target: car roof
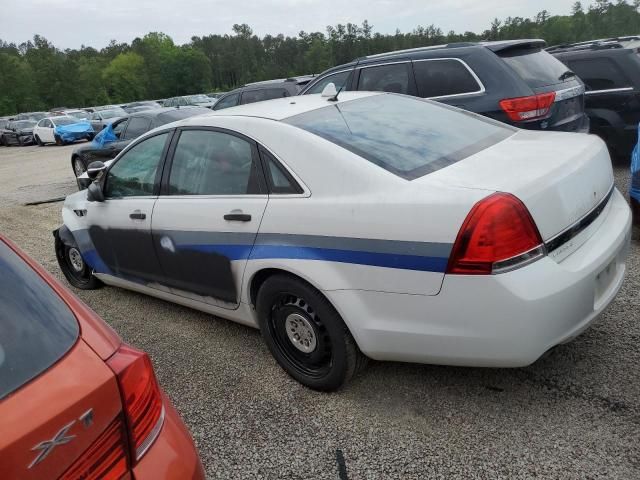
280 108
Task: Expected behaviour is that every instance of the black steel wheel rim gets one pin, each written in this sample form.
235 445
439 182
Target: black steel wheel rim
316 363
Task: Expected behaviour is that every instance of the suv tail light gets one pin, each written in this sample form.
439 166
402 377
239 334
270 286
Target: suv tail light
498 235
528 108
141 398
106 458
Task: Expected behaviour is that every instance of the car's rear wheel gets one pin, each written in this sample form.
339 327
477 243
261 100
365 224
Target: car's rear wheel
306 335
74 268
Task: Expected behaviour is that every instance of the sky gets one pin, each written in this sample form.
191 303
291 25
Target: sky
72 23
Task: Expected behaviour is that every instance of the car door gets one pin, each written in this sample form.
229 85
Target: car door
46 131
120 226
207 217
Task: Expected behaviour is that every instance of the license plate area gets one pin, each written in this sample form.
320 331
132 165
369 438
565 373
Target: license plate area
604 282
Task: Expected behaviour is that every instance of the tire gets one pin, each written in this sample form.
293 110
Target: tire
39 142
59 141
306 335
73 267
3 142
635 210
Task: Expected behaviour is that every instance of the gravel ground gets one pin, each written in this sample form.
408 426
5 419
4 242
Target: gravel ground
574 414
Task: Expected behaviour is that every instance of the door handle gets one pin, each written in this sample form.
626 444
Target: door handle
238 217
137 215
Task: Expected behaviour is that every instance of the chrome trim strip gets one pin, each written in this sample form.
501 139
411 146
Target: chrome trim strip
153 434
570 92
362 67
609 90
469 69
576 228
513 263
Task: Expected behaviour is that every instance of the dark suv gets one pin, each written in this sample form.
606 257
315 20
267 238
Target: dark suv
124 131
610 70
260 91
513 81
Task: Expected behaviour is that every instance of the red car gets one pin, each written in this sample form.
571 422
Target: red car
75 402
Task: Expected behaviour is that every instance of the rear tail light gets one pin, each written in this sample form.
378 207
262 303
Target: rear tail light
528 108
106 458
141 398
498 235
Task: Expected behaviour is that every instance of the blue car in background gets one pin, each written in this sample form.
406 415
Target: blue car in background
635 181
61 130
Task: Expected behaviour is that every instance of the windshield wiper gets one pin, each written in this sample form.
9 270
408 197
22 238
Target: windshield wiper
567 74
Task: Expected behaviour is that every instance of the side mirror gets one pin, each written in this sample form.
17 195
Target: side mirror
94 193
95 168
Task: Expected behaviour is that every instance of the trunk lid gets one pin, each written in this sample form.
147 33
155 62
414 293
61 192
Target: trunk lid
69 405
560 177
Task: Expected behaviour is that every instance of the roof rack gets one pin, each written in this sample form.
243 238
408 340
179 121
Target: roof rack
419 49
603 44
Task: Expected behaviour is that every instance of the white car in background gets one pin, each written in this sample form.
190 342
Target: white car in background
370 225
62 129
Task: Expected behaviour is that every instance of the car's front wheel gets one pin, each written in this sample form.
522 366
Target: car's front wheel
39 142
58 140
306 335
74 268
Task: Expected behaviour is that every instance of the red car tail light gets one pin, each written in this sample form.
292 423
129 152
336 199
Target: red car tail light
105 459
498 235
141 397
528 108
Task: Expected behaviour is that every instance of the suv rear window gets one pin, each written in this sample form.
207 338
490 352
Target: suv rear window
535 66
36 326
407 136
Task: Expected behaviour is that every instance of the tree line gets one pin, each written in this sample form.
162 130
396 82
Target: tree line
35 75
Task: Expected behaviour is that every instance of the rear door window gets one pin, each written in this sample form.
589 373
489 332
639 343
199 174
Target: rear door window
407 136
36 326
386 78
535 66
340 80
599 73
439 78
137 126
226 102
213 163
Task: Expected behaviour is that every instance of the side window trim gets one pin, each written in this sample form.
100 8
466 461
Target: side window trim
264 161
170 153
469 69
171 134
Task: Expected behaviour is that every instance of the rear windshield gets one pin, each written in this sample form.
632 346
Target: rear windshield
407 136
535 66
36 326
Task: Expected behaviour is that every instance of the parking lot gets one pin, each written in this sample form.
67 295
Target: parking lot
573 414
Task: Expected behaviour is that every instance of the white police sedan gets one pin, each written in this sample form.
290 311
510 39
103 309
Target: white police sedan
369 225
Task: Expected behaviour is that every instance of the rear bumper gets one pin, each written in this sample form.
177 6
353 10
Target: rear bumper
506 320
173 456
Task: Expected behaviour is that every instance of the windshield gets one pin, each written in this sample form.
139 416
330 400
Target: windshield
36 326
64 121
407 136
23 124
112 113
199 98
